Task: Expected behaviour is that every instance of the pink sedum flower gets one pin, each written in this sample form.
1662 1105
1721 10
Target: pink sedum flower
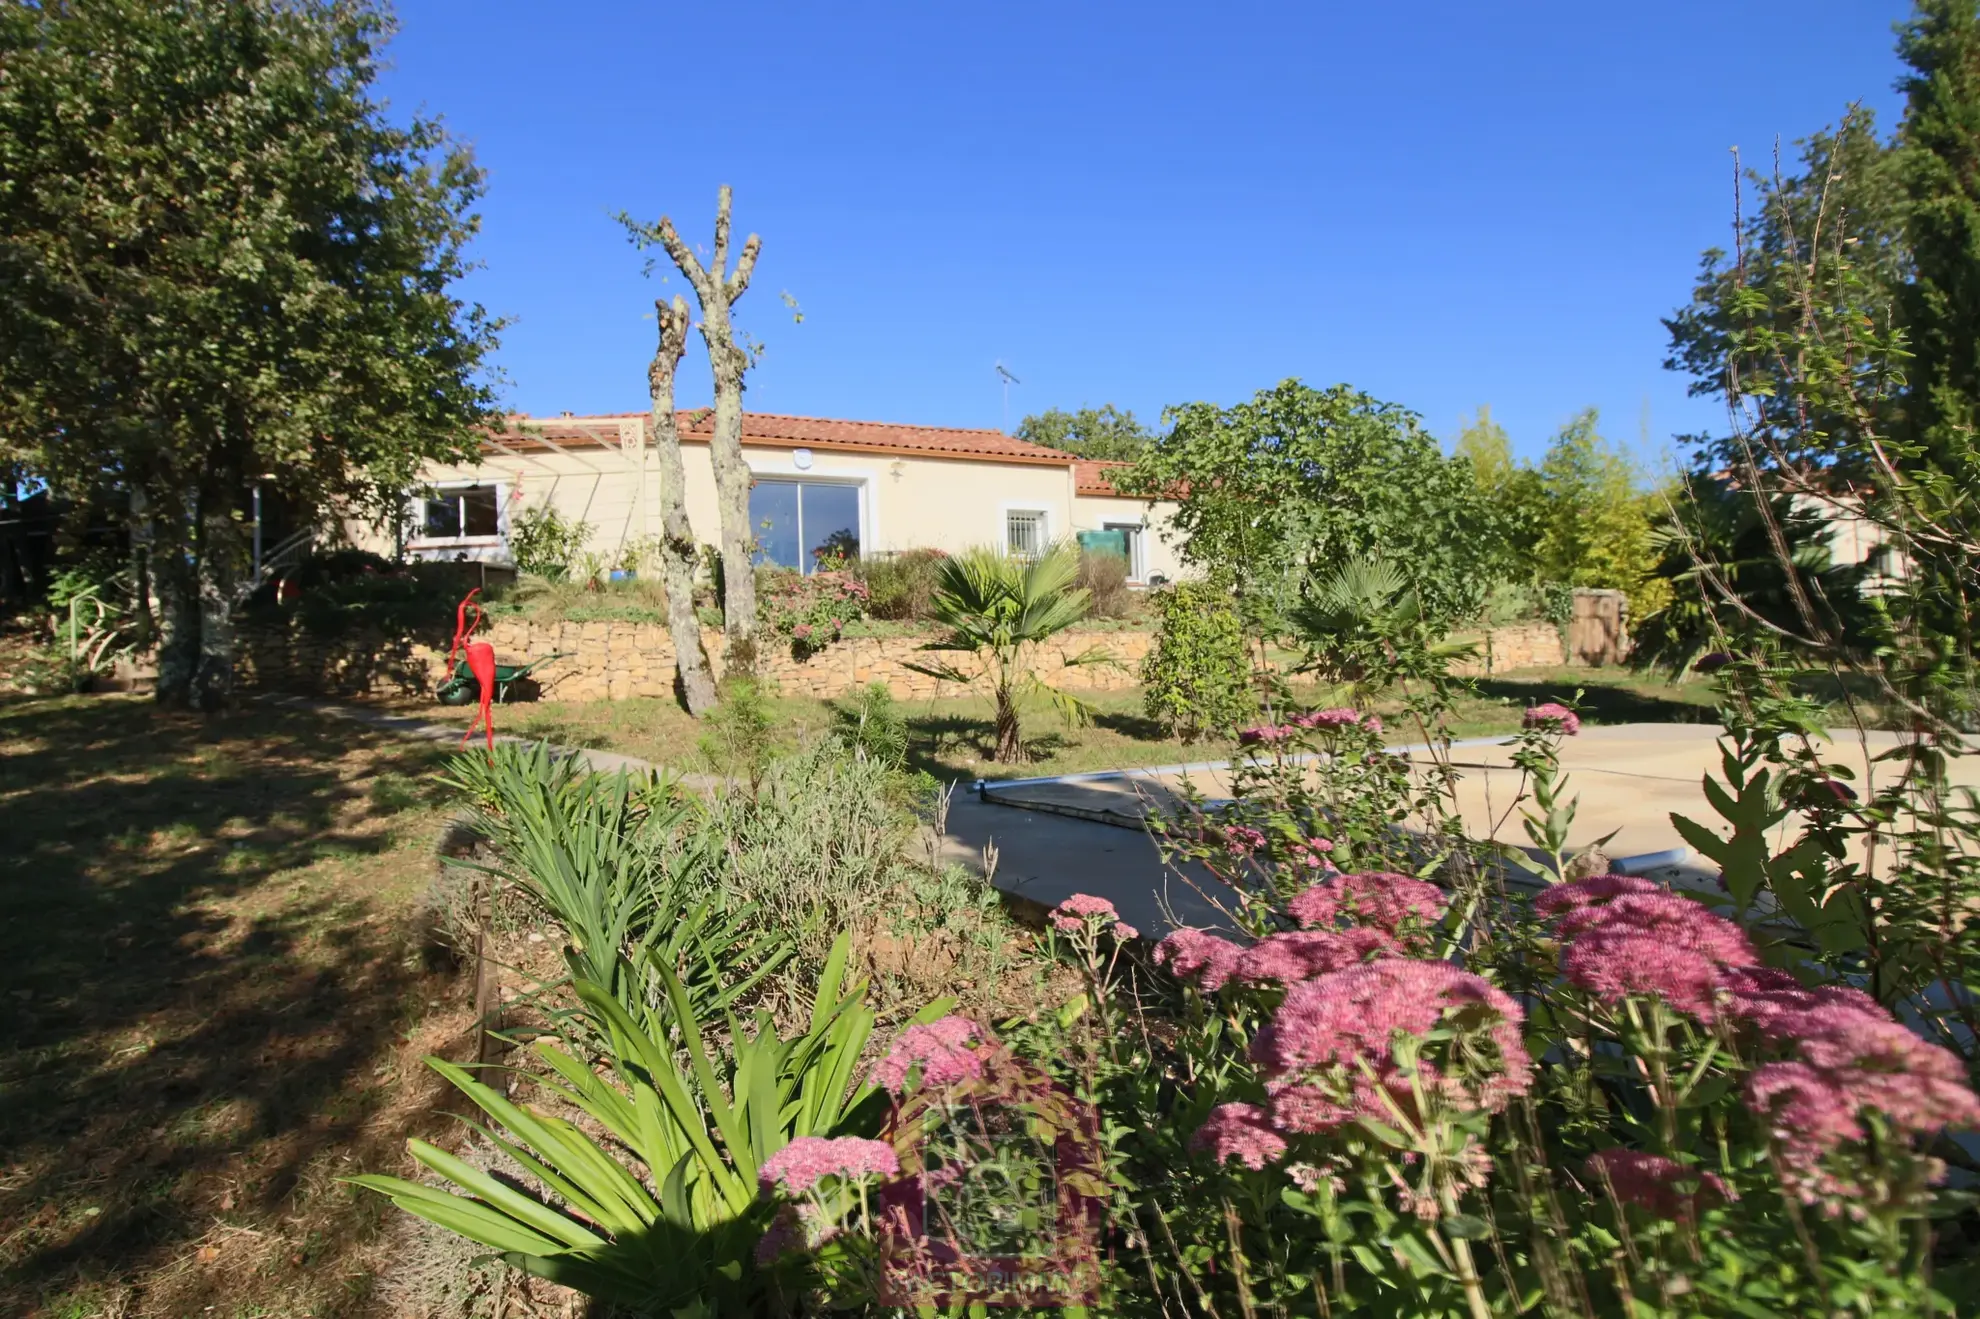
1552 715
1339 716
1201 956
1356 1014
1265 735
1652 943
1071 914
1241 840
1240 1131
1303 954
1662 1186
808 1160
1850 1060
1777 1003
1125 933
942 1050
1591 892
1376 898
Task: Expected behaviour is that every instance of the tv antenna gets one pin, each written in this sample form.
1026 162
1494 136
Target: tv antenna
1004 374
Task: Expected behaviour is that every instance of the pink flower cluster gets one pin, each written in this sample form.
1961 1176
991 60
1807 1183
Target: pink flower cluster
1071 916
1626 936
1378 898
1241 840
1311 853
1209 960
1551 715
808 1160
1663 1186
1241 1131
1340 716
1265 735
1850 1056
1353 1016
1303 954
941 1048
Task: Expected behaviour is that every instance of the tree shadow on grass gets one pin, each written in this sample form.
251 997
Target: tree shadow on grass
1602 703
1137 726
167 1065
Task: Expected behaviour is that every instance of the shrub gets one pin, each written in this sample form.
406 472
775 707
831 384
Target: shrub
1105 579
901 587
739 736
809 612
871 724
544 543
1197 679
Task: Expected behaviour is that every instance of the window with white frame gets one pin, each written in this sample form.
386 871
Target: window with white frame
467 512
1024 532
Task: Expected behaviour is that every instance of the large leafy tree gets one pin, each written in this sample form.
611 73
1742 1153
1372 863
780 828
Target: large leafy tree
1102 433
221 262
1298 480
1597 520
1837 225
1513 489
1939 163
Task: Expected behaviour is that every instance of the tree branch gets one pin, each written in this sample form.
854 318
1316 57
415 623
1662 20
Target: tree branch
738 282
683 257
723 199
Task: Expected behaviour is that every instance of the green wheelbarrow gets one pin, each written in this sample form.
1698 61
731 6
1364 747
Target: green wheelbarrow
462 689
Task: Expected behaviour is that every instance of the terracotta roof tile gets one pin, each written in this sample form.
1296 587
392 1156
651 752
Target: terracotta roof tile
770 429
1094 477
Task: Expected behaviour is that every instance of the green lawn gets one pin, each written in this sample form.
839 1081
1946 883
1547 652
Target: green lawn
951 738
213 1005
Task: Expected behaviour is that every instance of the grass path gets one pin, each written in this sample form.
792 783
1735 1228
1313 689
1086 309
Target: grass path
214 1006
951 738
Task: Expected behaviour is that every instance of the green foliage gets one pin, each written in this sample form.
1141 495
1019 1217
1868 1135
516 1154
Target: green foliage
1728 588
818 840
666 1214
1103 433
1940 304
1297 479
1363 625
739 736
873 726
810 612
204 203
1000 609
1597 529
1514 491
1849 179
1197 679
544 543
901 587
629 871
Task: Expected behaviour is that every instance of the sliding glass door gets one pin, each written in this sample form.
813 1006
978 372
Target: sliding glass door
801 524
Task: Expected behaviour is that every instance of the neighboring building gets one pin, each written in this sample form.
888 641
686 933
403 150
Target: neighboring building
857 486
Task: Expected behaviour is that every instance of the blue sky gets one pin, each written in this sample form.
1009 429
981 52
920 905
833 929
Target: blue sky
1443 204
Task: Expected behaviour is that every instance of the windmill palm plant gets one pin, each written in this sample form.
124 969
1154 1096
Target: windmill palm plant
1001 609
1364 619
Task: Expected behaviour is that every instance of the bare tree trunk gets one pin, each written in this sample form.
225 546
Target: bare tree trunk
717 290
679 553
219 568
172 568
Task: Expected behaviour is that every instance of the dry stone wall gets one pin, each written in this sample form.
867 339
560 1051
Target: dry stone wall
617 661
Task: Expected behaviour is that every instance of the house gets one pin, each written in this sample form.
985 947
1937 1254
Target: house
854 486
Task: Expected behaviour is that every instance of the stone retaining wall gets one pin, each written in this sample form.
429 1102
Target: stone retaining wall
616 661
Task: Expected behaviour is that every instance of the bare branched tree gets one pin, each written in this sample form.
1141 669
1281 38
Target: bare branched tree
717 287
679 554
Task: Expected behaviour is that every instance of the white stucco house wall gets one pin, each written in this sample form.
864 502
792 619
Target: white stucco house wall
875 486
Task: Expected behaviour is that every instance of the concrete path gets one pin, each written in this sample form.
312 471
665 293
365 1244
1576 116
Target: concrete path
1082 833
